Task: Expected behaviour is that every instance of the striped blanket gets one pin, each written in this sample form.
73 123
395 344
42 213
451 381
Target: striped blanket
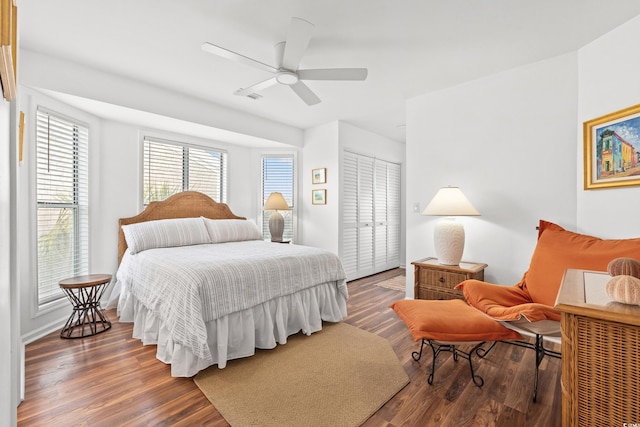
190 285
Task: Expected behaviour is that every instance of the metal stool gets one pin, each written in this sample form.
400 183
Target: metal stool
84 293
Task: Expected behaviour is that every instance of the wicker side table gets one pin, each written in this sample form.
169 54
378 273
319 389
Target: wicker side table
433 280
84 293
600 353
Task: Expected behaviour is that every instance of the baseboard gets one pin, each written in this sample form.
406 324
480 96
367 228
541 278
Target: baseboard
44 330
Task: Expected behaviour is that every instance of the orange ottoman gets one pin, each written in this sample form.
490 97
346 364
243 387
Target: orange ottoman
444 324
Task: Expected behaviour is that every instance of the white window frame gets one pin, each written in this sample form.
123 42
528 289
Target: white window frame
295 211
187 142
58 299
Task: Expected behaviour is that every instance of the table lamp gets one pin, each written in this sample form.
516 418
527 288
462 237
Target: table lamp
276 202
449 233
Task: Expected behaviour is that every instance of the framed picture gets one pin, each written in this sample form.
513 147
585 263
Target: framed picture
319 197
612 150
8 46
319 176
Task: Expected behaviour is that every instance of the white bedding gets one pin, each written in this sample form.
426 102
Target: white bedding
206 304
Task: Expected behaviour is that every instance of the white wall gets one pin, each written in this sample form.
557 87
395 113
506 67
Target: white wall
608 81
319 223
323 148
508 141
362 141
44 72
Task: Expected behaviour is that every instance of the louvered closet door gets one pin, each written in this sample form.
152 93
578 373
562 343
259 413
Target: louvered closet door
393 215
371 215
350 216
380 223
365 216
387 215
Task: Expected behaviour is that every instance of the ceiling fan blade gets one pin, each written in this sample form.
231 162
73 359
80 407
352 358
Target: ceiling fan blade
233 56
256 87
303 91
297 41
333 74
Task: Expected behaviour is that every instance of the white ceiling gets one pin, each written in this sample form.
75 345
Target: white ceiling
410 47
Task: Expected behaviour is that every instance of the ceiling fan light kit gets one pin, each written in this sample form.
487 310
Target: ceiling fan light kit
286 77
288 56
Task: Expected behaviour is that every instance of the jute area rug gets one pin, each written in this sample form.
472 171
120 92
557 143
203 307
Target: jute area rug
396 283
339 376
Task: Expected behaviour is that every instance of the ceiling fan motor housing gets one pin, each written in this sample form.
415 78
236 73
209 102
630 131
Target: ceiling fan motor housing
287 77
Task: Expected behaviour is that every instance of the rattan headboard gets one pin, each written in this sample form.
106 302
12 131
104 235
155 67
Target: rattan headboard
188 204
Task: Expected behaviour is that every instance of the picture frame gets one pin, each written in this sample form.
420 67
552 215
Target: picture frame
319 176
612 150
8 47
319 197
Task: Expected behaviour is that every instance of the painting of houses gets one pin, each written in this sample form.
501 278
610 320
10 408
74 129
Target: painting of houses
618 149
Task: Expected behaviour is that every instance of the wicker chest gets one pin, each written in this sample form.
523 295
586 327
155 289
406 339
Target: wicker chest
436 281
600 353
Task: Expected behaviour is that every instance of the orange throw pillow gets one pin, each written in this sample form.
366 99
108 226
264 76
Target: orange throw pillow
450 321
505 302
558 249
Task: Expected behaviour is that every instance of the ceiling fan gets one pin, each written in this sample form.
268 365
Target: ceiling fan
288 56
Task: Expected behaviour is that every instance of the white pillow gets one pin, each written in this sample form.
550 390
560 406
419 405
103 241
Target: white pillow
232 230
165 233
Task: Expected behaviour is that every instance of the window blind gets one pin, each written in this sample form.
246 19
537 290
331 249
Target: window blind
62 201
172 167
278 175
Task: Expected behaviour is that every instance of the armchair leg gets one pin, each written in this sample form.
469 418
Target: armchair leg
539 357
541 352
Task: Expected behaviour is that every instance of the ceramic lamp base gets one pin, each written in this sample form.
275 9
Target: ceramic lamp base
449 241
276 226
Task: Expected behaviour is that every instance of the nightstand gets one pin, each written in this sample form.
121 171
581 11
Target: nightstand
436 281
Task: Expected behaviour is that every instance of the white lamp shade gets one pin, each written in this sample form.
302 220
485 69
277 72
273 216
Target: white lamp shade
276 202
448 236
449 201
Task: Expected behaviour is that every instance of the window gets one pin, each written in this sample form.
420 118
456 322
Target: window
173 167
62 201
278 175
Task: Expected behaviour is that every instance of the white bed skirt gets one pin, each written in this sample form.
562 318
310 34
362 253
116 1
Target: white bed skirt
238 334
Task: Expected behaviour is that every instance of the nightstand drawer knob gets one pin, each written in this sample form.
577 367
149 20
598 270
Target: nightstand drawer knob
441 279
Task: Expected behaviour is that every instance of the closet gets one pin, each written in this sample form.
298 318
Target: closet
370 215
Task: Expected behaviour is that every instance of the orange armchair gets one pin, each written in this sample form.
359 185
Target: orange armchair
527 306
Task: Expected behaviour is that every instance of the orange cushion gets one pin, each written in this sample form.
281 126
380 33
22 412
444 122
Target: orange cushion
505 302
450 321
535 295
558 249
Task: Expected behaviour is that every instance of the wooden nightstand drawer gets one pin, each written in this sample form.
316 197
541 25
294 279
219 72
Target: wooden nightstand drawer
441 279
436 281
431 292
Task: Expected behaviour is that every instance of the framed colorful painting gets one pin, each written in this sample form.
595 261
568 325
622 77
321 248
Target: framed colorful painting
612 150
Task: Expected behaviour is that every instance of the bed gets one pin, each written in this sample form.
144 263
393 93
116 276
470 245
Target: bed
202 285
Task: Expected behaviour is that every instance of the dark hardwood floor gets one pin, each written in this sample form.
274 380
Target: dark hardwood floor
111 379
